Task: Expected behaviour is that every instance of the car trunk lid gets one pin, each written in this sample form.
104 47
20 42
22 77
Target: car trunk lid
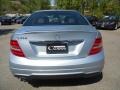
34 41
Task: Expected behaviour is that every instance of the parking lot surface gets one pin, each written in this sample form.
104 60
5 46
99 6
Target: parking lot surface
109 81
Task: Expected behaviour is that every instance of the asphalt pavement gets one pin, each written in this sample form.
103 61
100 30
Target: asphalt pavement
109 81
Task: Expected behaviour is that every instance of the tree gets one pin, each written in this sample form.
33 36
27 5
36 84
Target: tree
113 7
4 6
92 7
33 5
71 4
23 6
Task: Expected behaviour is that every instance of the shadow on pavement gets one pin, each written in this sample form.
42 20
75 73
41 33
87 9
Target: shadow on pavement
64 82
5 31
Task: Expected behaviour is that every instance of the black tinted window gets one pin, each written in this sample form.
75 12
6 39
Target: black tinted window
110 18
55 18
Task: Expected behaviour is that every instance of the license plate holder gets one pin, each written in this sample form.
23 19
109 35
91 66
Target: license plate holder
57 48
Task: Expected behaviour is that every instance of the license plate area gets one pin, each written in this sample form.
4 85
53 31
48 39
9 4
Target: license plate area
57 48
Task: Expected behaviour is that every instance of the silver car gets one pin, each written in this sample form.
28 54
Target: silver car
53 43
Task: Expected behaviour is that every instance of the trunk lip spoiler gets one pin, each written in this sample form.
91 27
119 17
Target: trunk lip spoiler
50 31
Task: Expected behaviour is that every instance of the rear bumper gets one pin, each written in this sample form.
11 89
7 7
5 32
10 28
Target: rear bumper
84 66
68 76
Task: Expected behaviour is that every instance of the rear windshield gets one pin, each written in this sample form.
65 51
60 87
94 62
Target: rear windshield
55 18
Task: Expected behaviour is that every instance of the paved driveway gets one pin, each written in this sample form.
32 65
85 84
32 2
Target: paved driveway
109 81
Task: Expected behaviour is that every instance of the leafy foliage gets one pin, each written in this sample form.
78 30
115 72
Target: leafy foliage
22 6
4 6
91 7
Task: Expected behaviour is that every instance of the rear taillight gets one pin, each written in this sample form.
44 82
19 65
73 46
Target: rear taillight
97 46
15 48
